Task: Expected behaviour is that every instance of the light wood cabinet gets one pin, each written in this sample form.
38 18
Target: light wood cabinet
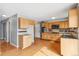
73 17
69 47
44 36
43 24
64 24
46 25
50 36
23 22
25 41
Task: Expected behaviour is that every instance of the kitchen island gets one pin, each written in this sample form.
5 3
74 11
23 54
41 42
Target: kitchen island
25 41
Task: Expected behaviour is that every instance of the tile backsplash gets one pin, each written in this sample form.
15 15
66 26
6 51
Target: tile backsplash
73 32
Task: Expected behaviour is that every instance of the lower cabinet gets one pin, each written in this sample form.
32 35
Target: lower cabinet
46 36
50 36
69 47
25 41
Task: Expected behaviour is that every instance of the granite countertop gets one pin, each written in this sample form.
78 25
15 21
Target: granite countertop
67 36
54 34
59 35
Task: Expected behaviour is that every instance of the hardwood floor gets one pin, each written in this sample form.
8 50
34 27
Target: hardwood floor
39 48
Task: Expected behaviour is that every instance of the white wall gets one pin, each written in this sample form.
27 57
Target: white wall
13 30
30 30
1 31
5 31
37 30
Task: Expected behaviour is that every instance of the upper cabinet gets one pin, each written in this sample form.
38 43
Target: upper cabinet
23 22
73 17
62 24
46 25
66 24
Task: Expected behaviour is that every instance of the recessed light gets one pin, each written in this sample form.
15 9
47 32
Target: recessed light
53 17
4 15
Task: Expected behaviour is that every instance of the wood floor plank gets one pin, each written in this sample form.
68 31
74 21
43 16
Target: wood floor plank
39 48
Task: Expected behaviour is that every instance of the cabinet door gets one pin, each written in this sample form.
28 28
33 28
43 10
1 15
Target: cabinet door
66 24
73 18
43 25
69 47
27 41
43 36
23 23
20 41
47 25
62 25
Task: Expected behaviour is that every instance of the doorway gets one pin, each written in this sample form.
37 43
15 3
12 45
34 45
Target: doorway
4 31
8 32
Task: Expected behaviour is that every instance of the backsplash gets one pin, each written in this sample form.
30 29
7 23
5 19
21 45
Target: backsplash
65 32
69 32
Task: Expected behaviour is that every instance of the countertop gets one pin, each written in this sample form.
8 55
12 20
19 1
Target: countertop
67 36
59 35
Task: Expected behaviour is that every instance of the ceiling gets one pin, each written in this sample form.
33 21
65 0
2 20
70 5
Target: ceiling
36 11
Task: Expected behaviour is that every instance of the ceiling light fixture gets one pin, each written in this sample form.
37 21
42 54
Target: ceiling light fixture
4 15
53 17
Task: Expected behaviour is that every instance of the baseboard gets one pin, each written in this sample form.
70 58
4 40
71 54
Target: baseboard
37 38
1 38
14 45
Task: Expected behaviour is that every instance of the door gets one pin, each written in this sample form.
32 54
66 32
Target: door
8 32
5 31
37 30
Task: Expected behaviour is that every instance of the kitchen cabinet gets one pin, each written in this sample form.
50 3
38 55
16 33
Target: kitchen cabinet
47 36
64 24
50 36
43 24
25 41
73 17
44 36
69 47
46 25
23 22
